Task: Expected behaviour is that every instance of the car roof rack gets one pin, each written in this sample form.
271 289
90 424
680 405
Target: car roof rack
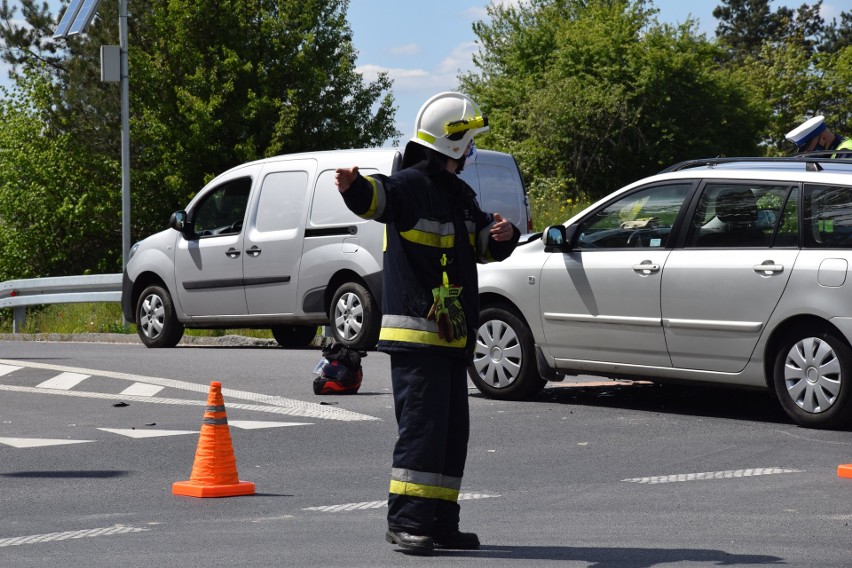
812 160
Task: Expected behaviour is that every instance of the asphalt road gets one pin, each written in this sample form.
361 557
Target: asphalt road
589 474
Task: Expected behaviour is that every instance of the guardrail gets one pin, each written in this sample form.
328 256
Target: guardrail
18 294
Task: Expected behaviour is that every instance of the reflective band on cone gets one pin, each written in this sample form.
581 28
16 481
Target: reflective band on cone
214 472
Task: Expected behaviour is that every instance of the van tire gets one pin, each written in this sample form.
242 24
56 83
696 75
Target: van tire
156 322
294 336
354 317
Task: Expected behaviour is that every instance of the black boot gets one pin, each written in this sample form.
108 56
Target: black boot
457 540
421 545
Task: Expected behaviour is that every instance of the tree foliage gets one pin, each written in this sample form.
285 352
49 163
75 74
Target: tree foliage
593 94
213 83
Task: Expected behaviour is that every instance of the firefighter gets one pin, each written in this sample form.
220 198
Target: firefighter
813 136
435 235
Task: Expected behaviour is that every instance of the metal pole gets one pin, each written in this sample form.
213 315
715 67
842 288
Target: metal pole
125 134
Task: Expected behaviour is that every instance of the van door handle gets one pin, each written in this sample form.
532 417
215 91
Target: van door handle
254 251
232 253
768 267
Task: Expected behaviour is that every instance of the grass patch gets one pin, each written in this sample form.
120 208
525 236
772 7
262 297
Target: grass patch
97 317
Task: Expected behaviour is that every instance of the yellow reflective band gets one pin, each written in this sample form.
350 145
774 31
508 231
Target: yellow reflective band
377 204
429 239
423 135
419 337
425 491
462 125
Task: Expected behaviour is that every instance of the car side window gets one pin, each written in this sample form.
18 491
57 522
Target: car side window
223 210
827 217
736 215
642 219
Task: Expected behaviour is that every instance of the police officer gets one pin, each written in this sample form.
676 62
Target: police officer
813 136
435 235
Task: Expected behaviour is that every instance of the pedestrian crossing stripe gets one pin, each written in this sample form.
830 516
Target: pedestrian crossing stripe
379 504
66 535
257 424
728 474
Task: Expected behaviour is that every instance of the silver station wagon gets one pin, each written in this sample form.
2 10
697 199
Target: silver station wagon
726 271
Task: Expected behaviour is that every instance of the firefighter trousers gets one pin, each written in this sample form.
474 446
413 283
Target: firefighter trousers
431 403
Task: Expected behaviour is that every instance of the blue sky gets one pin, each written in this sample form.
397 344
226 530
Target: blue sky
425 44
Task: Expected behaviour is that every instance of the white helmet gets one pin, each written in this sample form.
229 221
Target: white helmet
447 123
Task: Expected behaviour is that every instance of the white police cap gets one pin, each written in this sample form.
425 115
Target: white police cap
805 132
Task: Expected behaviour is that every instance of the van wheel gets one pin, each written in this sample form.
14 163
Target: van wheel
294 336
355 319
156 322
813 379
504 357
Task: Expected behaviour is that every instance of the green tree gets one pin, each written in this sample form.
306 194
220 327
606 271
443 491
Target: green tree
212 84
53 219
590 95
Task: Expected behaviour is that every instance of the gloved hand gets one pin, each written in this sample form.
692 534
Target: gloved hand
447 312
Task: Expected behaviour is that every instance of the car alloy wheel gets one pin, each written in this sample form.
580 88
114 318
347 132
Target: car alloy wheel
812 372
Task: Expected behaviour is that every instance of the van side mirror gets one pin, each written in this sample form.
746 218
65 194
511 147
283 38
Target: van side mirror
178 221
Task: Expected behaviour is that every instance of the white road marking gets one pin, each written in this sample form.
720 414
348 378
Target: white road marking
256 424
728 474
379 504
64 381
6 369
276 404
142 389
38 442
136 433
86 533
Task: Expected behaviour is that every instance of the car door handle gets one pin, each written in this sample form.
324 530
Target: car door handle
646 267
232 253
254 251
768 267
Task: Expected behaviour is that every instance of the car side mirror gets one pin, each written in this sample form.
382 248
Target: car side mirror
557 238
178 221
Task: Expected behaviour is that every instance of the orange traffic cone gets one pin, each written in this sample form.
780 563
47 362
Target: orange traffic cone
844 470
214 473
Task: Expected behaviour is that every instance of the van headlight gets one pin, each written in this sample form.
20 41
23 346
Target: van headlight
133 250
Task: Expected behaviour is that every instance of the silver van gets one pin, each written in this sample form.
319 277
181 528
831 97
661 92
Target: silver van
270 244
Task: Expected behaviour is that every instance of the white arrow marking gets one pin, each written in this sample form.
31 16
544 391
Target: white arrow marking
38 442
133 433
256 424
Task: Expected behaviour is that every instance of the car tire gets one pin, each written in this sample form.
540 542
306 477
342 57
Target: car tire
294 336
354 317
812 374
504 365
156 322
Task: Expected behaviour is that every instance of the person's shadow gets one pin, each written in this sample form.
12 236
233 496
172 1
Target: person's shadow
601 557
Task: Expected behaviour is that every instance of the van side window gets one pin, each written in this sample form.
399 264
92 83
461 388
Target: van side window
281 202
499 189
327 208
223 210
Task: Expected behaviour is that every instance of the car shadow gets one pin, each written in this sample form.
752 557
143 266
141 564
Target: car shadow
617 557
687 400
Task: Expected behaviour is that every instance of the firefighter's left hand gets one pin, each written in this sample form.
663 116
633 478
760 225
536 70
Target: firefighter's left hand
502 230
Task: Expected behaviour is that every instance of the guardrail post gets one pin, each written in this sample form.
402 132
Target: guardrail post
19 318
